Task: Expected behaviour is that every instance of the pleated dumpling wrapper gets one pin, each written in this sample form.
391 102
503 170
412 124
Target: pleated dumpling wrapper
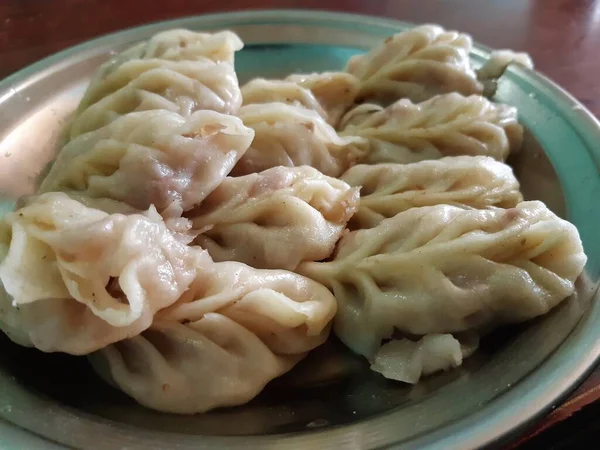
417 64
232 332
178 70
447 125
444 269
291 136
465 181
329 93
77 279
152 158
275 219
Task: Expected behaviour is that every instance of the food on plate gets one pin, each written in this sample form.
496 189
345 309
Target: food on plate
466 181
447 125
196 239
77 279
178 71
275 219
417 65
328 93
291 136
155 158
231 333
445 269
408 360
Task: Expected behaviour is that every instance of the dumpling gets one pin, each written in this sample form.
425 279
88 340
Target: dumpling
444 269
447 125
261 90
182 87
406 360
359 114
78 279
465 181
182 45
336 91
192 367
178 70
329 93
417 64
232 332
152 158
276 218
291 136
495 67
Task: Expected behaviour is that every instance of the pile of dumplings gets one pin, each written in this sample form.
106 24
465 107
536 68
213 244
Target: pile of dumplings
196 239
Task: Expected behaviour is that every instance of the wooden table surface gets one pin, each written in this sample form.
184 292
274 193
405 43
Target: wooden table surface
562 36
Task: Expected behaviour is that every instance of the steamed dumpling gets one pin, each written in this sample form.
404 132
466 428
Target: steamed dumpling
465 181
178 70
191 367
330 94
336 91
417 64
276 218
177 86
78 279
447 125
232 332
291 136
261 90
444 269
152 158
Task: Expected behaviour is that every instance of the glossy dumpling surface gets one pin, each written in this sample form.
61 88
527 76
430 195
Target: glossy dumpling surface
77 279
276 218
152 158
444 269
232 332
465 181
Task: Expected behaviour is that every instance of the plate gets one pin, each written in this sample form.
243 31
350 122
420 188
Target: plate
331 400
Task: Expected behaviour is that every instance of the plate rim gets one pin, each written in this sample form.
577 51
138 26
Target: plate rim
495 422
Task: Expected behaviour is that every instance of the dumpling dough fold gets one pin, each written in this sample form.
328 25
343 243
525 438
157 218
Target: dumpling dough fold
177 70
330 94
77 279
275 219
447 125
291 136
465 181
152 158
417 64
232 332
444 269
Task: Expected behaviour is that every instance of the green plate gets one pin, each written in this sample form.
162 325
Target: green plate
331 400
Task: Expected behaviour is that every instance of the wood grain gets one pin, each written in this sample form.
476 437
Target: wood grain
562 36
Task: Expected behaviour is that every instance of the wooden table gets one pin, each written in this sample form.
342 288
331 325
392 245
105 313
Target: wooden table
562 36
